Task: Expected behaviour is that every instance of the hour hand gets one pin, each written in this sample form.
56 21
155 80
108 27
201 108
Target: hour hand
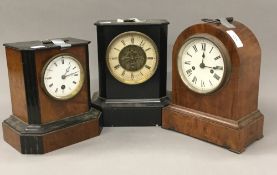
203 56
67 69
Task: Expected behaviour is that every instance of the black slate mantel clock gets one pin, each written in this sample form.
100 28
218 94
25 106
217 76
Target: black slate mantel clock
132 58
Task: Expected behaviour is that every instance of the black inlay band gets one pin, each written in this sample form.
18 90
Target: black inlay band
29 69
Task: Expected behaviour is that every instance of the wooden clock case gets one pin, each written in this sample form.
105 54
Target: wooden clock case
39 123
228 117
131 105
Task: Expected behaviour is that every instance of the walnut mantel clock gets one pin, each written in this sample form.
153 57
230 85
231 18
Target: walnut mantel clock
50 94
215 69
132 71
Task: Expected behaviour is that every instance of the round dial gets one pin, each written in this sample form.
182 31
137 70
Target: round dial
62 77
132 57
202 63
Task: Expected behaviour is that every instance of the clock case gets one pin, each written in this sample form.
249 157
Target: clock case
131 105
228 117
40 123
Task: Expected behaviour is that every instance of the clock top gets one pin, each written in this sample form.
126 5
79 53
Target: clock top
47 44
131 21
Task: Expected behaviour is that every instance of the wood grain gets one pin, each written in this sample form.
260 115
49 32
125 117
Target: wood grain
71 135
228 117
232 135
17 86
52 140
239 96
11 136
51 109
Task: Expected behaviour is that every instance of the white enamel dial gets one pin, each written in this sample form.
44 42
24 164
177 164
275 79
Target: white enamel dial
63 77
202 65
132 57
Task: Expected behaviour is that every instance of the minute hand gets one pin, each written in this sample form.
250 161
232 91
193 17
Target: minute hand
215 68
218 67
71 74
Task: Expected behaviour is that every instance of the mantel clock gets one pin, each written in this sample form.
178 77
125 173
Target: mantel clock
50 94
132 57
215 84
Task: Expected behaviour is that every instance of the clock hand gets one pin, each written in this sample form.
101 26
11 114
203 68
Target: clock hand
71 74
218 67
203 56
67 69
202 65
215 68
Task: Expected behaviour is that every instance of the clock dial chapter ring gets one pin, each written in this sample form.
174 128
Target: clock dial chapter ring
203 63
132 57
62 77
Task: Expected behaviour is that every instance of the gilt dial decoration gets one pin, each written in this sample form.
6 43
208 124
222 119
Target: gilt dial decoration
203 64
63 77
132 57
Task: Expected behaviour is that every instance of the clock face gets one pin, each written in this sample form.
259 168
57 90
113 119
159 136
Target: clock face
62 77
202 64
132 57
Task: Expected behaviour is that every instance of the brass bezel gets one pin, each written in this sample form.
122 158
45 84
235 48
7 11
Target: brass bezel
225 56
79 87
127 81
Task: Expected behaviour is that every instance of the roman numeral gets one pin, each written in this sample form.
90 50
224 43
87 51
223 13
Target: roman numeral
123 73
132 76
216 58
203 46
123 42
211 83
142 43
75 74
116 67
74 82
132 40
189 72
62 61
194 80
187 62
56 64
189 54
150 58
147 49
148 67
74 68
202 84
216 76
211 49
50 85
141 73
117 49
56 90
195 48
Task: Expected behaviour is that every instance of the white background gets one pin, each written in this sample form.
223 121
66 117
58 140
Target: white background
140 150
